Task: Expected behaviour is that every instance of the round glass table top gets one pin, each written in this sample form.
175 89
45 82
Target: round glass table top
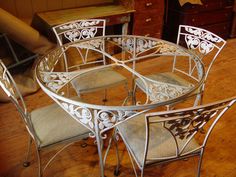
131 72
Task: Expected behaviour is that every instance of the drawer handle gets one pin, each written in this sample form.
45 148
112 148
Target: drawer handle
148 4
148 20
193 20
146 35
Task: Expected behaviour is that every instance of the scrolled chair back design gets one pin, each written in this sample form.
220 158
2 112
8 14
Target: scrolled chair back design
183 125
202 40
80 29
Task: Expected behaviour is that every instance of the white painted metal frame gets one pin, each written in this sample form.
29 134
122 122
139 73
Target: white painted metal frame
79 30
184 124
84 29
9 86
201 42
100 118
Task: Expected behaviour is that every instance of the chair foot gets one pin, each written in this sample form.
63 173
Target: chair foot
185 159
84 145
116 172
104 100
26 164
202 131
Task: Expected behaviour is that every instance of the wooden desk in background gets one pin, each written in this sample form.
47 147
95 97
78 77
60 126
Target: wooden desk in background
114 14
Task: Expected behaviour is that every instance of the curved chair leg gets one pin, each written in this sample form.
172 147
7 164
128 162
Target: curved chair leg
54 156
113 139
26 163
142 172
200 163
134 93
104 100
39 162
198 100
117 170
107 151
132 162
84 143
129 96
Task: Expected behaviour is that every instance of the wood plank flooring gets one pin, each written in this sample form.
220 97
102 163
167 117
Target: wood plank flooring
219 158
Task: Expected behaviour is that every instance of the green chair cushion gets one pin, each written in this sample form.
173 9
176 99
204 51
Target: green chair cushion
162 144
52 125
97 79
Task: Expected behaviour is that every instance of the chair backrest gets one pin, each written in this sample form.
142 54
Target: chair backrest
202 43
9 86
78 30
186 125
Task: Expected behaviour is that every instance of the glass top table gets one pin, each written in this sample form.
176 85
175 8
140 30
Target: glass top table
134 57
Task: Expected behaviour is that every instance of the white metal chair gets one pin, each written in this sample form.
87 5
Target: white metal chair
84 29
47 126
157 138
202 42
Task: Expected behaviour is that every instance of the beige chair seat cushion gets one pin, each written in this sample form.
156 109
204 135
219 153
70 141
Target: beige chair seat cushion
52 124
166 77
162 144
97 79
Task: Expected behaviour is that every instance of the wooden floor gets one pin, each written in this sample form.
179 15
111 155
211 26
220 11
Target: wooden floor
219 158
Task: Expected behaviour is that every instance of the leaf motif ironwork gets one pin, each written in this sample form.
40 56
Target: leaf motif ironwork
143 45
55 81
159 92
188 123
203 34
107 119
48 63
80 30
201 39
193 42
82 114
91 44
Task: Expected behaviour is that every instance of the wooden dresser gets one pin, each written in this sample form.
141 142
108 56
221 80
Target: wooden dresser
215 16
148 17
114 14
233 30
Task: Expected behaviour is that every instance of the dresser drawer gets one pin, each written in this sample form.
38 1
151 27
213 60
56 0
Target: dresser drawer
221 29
233 29
205 18
143 5
143 18
207 5
152 30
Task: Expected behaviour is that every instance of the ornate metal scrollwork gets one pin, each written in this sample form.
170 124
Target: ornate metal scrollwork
91 44
193 42
108 119
190 122
203 34
162 91
80 30
201 39
49 61
56 80
82 114
140 46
